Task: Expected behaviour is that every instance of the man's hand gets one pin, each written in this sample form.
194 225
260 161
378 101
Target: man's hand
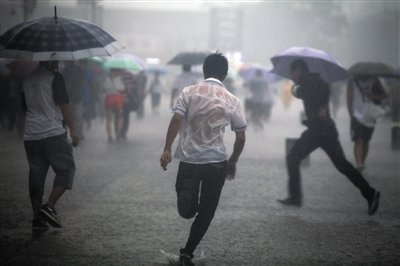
74 137
231 170
165 159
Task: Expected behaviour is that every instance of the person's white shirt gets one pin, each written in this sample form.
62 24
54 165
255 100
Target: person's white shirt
364 110
113 84
43 118
208 107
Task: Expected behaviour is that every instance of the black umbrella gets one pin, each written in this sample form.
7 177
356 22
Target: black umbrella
188 58
56 38
372 69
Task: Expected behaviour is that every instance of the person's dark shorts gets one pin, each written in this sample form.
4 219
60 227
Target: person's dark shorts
54 152
360 131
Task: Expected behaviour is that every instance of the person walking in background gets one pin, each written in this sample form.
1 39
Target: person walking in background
140 87
321 132
201 113
184 79
258 87
364 94
114 103
155 90
89 92
229 84
130 103
46 103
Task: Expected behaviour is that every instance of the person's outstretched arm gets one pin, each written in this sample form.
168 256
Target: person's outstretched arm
173 129
237 150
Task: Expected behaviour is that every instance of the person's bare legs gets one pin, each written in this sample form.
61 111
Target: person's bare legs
359 153
118 122
361 149
365 152
55 194
109 118
48 211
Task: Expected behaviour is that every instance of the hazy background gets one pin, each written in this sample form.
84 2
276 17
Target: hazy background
350 30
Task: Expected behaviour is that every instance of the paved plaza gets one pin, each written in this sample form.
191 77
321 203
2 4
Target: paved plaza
122 209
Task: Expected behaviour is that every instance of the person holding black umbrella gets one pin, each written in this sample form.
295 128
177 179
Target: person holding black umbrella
46 103
184 79
321 132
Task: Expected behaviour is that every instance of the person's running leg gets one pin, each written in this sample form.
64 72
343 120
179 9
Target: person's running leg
333 149
187 189
213 180
306 144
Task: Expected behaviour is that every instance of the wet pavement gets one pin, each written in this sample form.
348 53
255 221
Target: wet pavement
122 209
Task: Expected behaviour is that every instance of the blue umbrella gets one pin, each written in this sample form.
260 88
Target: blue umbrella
155 69
318 61
248 72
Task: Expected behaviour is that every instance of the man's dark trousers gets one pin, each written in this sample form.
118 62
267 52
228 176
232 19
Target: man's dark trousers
323 136
206 181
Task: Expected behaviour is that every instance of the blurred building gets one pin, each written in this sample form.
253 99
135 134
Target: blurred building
350 30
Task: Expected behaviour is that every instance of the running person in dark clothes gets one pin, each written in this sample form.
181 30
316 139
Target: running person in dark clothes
321 132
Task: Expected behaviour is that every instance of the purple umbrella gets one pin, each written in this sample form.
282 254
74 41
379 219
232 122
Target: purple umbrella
317 61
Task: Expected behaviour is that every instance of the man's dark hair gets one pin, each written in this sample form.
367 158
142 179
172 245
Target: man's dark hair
299 64
215 66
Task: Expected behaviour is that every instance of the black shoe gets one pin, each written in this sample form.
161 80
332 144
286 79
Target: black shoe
185 260
50 215
290 201
373 202
39 224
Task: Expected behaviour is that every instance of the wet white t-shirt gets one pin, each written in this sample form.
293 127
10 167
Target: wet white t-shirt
208 107
365 111
43 118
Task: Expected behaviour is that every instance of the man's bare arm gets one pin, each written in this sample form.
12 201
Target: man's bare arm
172 132
237 150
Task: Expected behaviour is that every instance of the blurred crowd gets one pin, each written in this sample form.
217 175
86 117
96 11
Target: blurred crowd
110 95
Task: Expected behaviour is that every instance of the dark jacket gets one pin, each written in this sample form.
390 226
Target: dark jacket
314 92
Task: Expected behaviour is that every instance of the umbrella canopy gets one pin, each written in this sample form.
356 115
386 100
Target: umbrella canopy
155 69
188 58
248 72
124 61
56 38
318 61
372 69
